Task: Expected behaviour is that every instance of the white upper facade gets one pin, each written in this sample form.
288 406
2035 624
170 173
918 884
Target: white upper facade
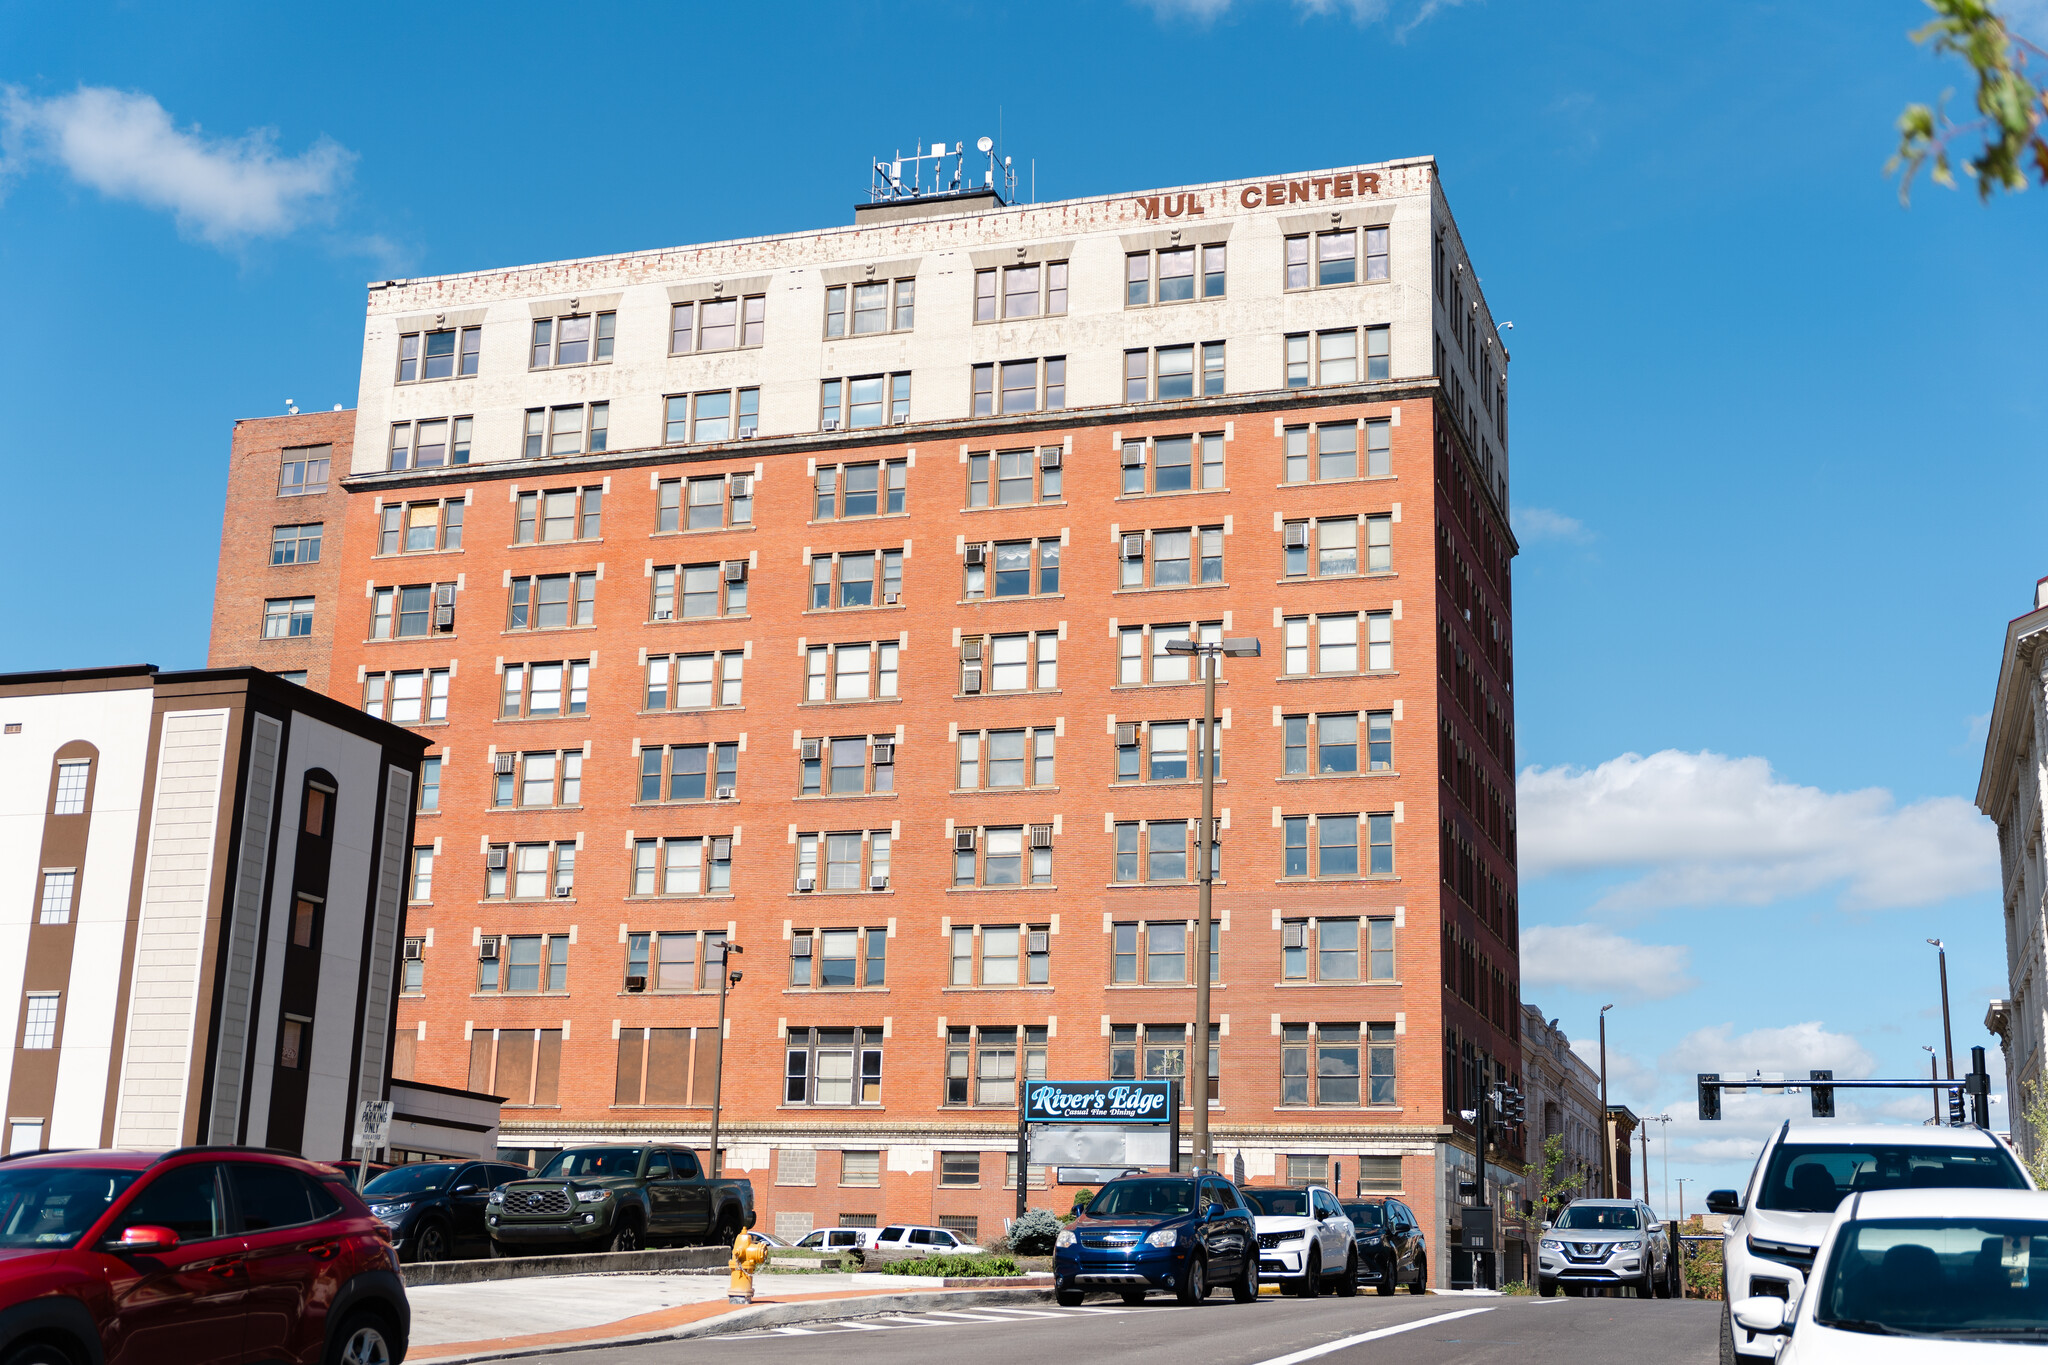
1407 270
2012 789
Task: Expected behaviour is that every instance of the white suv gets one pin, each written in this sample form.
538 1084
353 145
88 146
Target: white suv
1805 1170
924 1240
1306 1240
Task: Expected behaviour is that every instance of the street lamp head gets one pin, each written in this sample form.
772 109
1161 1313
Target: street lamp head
1605 1008
736 977
735 948
1242 647
1937 944
1182 647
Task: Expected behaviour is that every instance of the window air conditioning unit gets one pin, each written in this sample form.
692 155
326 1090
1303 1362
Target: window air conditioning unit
1050 457
806 884
664 616
901 419
970 681
1294 935
487 949
444 618
977 555
1126 734
970 649
636 984
1134 455
885 751
832 424
747 431
721 849
495 859
1134 546
1041 836
800 946
890 599
736 571
412 950
505 763
726 793
743 484
563 893
444 594
1038 941
879 882
812 750
963 841
1296 534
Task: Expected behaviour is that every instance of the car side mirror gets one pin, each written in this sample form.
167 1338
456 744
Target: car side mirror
465 1189
1763 1314
1724 1201
143 1238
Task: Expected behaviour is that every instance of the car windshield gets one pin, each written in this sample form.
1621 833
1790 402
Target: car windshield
1813 1178
52 1206
1143 1198
1279 1203
1982 1278
1599 1218
1364 1215
592 1161
427 1177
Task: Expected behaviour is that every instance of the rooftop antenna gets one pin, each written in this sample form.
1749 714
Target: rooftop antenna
902 177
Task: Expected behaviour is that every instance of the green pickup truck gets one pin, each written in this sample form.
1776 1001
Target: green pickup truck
616 1199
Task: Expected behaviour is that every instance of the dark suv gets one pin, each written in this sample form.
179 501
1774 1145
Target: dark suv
1181 1233
436 1208
1390 1245
199 1256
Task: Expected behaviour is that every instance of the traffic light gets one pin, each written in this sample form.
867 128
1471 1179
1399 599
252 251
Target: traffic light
1823 1095
1710 1094
1955 1107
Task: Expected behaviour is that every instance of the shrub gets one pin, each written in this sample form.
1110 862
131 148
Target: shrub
1034 1233
954 1267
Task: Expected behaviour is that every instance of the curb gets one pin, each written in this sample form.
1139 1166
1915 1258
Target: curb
420 1274
772 1315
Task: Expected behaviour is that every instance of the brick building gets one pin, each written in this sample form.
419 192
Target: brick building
811 593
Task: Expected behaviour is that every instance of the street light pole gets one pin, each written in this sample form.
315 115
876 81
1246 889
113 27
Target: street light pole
1934 1073
726 977
1606 1135
1681 1198
1205 856
1947 1043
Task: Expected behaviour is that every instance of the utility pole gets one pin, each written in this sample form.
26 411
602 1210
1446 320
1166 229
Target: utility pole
725 978
1948 1046
1681 1198
1606 1136
1934 1072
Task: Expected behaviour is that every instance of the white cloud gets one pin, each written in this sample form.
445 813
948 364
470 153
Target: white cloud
1540 523
124 145
1358 11
1200 10
1794 1050
1707 828
1587 957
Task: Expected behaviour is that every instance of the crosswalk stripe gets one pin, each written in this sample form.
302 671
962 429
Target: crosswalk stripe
930 1317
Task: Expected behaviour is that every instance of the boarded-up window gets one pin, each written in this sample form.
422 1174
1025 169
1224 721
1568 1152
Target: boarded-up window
547 1071
522 1065
860 1168
666 1066
1380 1173
706 1078
404 1055
481 1045
515 1065
796 1166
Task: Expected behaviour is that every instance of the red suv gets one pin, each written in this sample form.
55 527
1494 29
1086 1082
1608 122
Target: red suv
200 1256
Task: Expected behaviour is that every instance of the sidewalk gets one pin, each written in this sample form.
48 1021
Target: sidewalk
466 1322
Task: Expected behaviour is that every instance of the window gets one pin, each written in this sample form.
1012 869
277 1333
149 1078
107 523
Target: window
839 957
524 1065
288 617
856 578
877 306
1169 372
530 872
1161 751
687 961
721 501
303 470
579 339
1143 657
854 861
851 672
1328 745
430 785
547 778
71 783
1331 452
422 888
847 767
567 429
39 1028
695 591
1169 275
1003 856
1184 558
1001 955
407 612
832 1066
58 888
446 353
1159 1052
295 544
553 601
292 1040
1332 357
1380 1174
860 490
694 682
1027 291
717 324
414 979
548 689
413 528
430 444
1335 839
872 400
1014 478
1336 644
1172 464
1157 851
1335 950
1026 386
1022 568
1329 546
1334 257
719 415
408 696
558 514
982 1070
689 772
999 760
296 677
1024 662
677 1067
700 866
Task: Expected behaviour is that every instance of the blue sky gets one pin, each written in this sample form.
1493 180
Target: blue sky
1776 438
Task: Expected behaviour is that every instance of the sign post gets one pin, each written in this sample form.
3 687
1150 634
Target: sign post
373 1133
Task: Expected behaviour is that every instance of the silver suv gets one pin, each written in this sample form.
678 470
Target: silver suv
1605 1244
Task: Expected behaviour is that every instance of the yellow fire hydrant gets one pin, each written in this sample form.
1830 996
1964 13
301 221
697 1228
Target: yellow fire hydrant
748 1252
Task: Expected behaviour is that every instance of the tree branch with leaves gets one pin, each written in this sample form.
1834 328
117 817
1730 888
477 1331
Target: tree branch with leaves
2010 106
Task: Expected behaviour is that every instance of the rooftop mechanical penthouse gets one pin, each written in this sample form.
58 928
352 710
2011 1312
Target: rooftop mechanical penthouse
813 593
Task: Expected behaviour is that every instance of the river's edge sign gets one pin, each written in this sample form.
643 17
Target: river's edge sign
1098 1101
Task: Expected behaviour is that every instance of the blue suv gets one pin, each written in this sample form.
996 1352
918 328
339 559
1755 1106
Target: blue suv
1185 1234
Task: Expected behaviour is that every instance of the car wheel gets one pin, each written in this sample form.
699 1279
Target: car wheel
430 1243
1133 1296
1246 1290
626 1238
364 1339
1420 1285
1069 1298
1194 1286
1390 1271
1663 1283
1347 1284
40 1353
726 1230
1546 1287
1646 1288
1310 1285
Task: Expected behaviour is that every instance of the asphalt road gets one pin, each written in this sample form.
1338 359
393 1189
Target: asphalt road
1330 1331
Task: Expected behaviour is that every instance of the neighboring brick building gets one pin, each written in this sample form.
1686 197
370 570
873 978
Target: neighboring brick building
720 629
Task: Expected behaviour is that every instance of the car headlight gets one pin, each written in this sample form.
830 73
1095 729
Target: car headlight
1165 1237
1281 1238
1065 1239
592 1196
1549 1245
390 1210
497 1197
1636 1245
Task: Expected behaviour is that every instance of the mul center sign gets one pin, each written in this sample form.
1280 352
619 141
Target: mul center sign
1098 1102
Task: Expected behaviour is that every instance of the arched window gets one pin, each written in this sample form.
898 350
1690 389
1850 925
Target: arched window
71 779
